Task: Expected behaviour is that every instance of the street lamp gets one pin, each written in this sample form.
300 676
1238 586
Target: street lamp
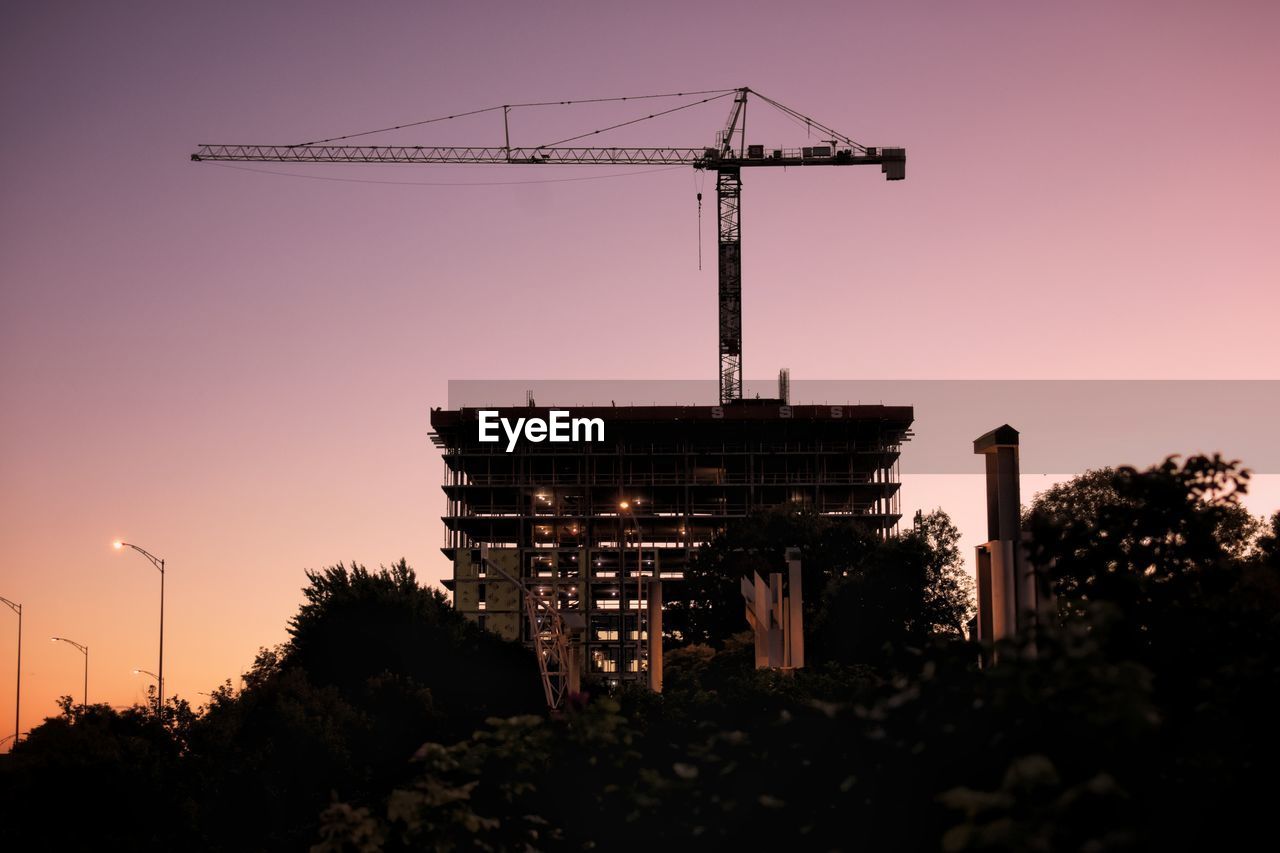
652 620
625 506
159 564
17 700
84 650
154 677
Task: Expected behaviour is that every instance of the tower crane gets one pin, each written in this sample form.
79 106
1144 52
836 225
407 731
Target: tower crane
727 158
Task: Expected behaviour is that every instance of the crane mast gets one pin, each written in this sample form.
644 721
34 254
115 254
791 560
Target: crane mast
723 159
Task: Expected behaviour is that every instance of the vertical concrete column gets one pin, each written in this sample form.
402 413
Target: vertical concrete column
777 619
574 666
760 605
1006 589
655 635
795 610
1008 497
984 629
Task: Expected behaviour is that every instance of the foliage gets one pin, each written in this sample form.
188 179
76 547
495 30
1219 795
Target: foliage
524 782
774 766
1172 573
356 627
861 592
93 768
1268 544
896 596
1119 535
1133 722
1137 719
375 665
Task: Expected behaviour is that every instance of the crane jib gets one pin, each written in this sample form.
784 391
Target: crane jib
892 159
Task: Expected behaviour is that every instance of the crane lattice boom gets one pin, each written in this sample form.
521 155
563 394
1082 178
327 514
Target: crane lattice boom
699 158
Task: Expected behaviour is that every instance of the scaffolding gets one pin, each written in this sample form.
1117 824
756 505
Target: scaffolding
595 526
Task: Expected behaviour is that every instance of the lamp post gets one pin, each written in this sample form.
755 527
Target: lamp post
154 677
159 564
17 699
651 612
627 507
623 509
84 650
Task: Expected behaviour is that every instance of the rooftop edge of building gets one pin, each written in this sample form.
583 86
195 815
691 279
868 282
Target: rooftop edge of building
740 410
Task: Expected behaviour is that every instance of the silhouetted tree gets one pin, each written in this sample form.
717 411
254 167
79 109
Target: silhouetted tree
895 594
1168 570
357 627
1139 719
1146 542
861 591
1140 722
1269 543
375 665
96 778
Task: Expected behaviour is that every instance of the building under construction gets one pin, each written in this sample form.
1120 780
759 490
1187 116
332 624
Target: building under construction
594 526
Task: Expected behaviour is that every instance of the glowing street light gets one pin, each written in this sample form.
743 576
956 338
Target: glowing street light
625 506
154 677
653 622
159 564
17 701
84 650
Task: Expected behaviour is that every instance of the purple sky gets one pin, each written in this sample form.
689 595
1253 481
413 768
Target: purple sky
234 369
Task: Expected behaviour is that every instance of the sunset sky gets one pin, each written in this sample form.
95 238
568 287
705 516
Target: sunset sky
233 367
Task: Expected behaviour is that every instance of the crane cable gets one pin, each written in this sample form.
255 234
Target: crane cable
638 120
510 106
699 231
809 122
698 178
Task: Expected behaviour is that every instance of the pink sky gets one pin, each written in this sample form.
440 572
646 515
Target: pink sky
234 369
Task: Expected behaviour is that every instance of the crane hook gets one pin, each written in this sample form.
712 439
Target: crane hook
699 231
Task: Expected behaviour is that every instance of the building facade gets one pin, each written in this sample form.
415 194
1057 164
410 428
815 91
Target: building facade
593 524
